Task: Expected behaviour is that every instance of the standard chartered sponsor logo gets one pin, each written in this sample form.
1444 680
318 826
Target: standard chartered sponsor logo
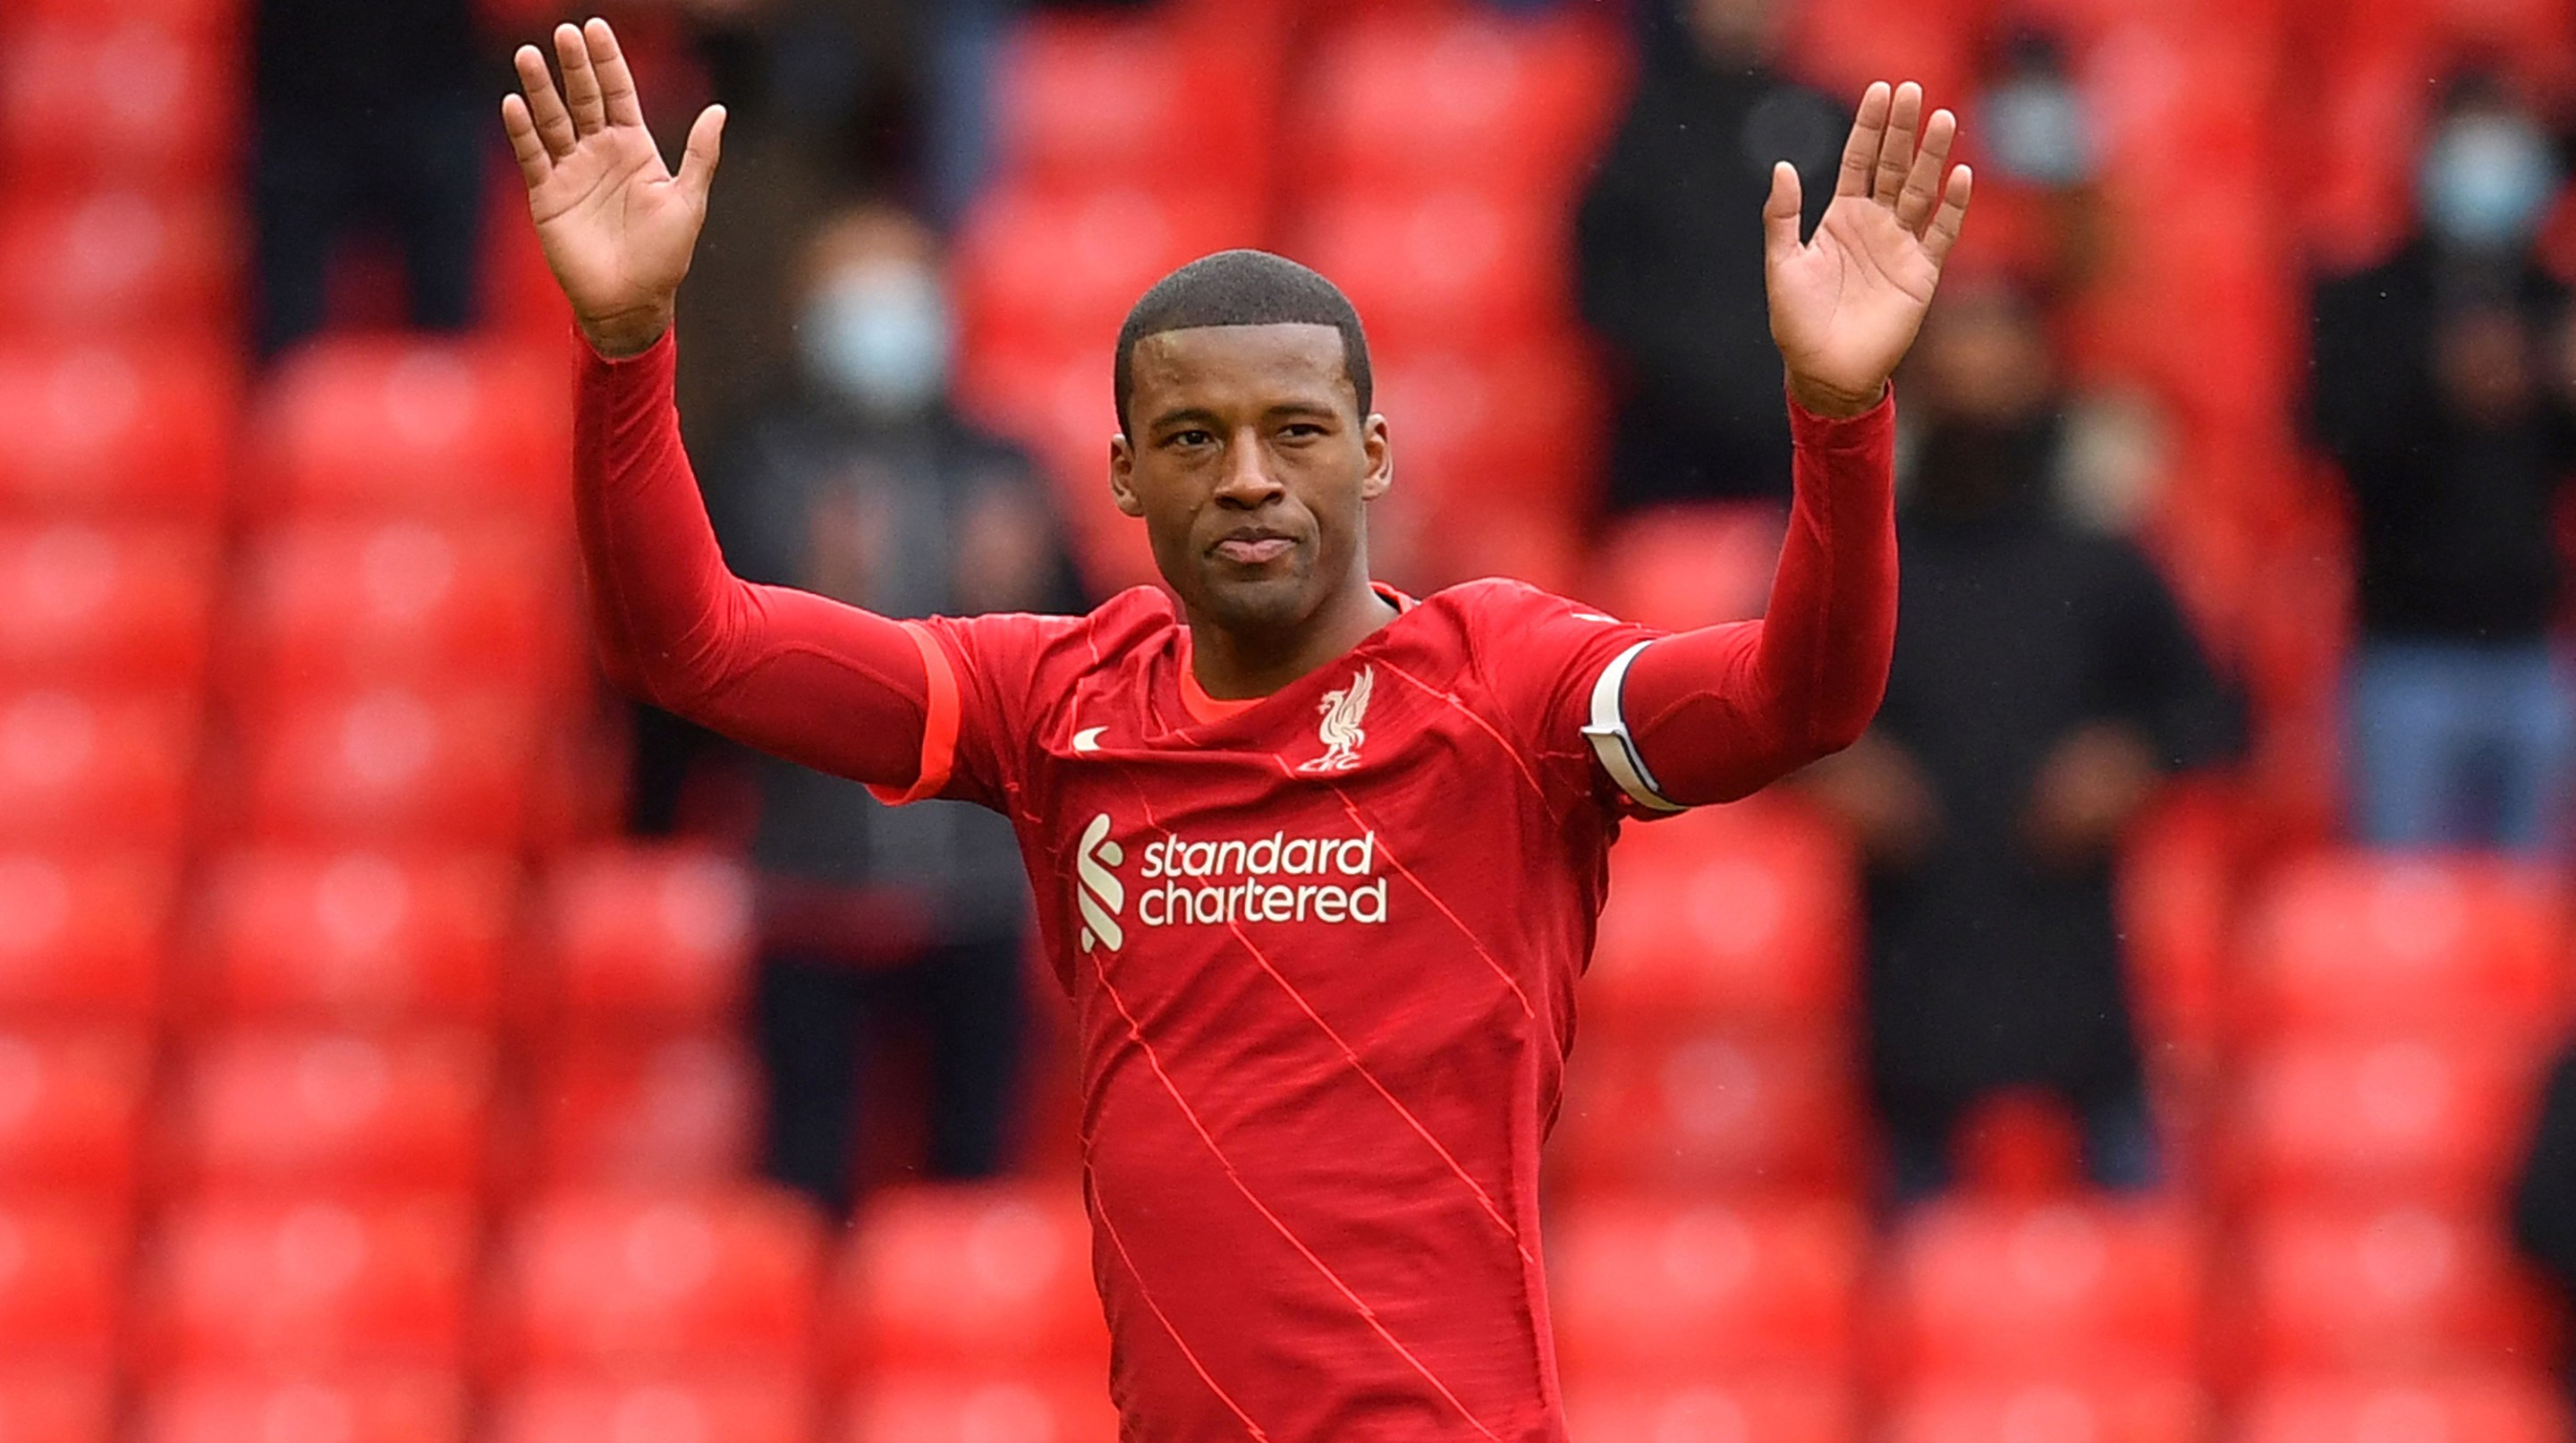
1277 878
1099 893
1189 882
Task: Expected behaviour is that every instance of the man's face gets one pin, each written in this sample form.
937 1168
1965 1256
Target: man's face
1249 461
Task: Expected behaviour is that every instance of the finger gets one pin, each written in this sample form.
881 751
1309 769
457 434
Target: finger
698 161
616 82
1896 152
1860 150
1943 233
554 124
581 83
1780 215
1923 180
530 149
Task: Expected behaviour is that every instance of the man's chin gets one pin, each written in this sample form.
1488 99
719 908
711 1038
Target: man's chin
1256 603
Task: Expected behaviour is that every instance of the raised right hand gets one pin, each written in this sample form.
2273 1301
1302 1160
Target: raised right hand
616 225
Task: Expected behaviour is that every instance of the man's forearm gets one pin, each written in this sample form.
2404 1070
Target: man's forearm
1720 712
795 674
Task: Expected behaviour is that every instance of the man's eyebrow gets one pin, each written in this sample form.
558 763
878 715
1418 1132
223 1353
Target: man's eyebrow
1194 415
1303 408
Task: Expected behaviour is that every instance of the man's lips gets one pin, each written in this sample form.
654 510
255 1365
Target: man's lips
1254 550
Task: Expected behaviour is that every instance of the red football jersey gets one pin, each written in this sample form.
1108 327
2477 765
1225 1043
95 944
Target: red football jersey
1322 949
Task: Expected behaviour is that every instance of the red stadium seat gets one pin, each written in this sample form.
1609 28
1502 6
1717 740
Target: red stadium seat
1060 269
2163 1410
1770 1408
935 1406
408 601
204 20
2366 1119
313 1108
395 766
2056 1289
62 1265
1515 105
1707 1108
677 1112
81 936
1454 267
45 1405
648 939
135 103
254 1406
1477 430
1845 44
638 1279
970 1277
1082 99
292 1282
1742 912
71 1105
118 262
2361 1289
1679 567
129 432
84 770
2362 944
357 938
723 1406
83 605
463 429
1668 1290
2444 1408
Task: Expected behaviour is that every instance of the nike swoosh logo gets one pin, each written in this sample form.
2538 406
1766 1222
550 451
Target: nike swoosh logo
1088 739
1595 616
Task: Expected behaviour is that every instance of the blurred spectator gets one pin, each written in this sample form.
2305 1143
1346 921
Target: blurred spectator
2045 684
2544 1193
1669 256
864 486
2039 196
371 120
2437 390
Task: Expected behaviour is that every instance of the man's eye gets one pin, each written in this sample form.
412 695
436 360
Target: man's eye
1301 430
1188 438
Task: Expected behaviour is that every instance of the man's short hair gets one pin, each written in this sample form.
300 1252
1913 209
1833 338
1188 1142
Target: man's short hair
1241 288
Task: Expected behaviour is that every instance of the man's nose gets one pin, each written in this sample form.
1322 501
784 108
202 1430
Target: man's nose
1248 481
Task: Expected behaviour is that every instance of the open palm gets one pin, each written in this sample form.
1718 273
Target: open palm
1845 305
617 226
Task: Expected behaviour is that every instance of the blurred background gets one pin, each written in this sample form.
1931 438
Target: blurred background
2152 1031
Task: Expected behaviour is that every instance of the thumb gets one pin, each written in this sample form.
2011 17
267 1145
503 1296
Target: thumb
1780 215
698 161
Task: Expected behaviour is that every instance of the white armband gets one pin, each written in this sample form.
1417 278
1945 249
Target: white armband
1608 733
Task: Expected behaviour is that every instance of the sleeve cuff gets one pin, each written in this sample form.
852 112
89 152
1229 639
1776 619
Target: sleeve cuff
938 723
654 358
1872 427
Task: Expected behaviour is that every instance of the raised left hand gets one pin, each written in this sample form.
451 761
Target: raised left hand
1845 305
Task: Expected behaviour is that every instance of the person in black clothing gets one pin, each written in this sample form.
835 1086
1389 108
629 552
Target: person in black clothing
865 487
2045 683
366 116
1669 273
2439 390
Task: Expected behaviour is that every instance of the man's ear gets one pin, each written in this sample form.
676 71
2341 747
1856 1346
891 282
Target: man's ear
1379 479
1122 477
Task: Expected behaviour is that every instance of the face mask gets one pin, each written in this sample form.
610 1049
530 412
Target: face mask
878 337
2038 133
2485 181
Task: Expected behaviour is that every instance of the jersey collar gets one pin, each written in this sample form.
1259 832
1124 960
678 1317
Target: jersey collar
1204 708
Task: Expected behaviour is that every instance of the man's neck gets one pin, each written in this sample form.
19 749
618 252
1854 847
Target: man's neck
1232 666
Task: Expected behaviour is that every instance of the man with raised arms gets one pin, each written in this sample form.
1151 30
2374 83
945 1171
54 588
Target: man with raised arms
1310 1136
